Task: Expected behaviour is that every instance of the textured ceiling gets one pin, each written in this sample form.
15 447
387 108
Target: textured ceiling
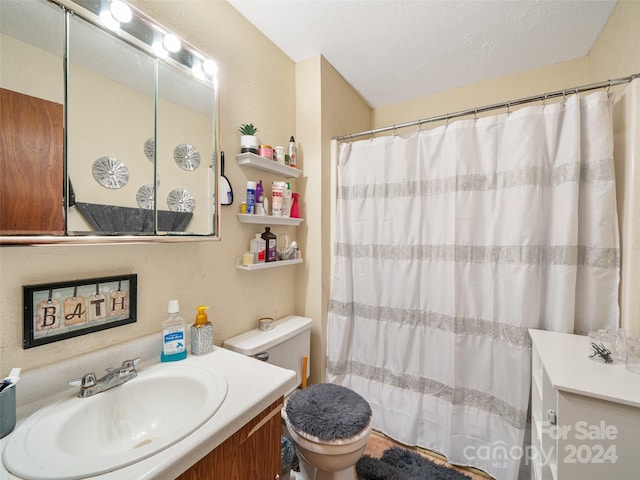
396 50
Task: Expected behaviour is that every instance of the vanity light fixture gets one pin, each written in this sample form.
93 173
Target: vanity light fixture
135 27
121 11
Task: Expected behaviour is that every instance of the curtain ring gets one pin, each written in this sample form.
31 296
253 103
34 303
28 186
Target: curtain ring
509 107
544 101
609 86
475 115
564 97
447 120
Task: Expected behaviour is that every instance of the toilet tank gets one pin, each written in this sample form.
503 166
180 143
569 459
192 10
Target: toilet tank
286 343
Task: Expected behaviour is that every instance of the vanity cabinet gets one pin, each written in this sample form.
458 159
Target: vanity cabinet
585 415
31 167
253 452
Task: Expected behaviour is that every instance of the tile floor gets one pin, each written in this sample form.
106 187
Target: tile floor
378 443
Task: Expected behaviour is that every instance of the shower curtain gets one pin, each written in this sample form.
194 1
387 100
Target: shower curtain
450 244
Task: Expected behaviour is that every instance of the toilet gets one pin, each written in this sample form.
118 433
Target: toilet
328 442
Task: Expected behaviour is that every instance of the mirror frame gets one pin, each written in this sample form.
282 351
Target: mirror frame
188 53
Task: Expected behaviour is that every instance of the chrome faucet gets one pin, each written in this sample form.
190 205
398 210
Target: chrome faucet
90 386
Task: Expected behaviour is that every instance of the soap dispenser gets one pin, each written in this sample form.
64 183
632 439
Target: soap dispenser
201 333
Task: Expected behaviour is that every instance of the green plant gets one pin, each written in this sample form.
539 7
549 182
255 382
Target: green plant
247 129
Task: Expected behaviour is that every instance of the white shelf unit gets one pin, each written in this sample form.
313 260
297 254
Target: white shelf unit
262 266
268 220
585 415
261 163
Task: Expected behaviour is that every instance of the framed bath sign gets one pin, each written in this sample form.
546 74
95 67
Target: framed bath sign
56 311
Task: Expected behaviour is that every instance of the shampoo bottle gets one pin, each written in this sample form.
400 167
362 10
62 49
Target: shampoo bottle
173 335
201 333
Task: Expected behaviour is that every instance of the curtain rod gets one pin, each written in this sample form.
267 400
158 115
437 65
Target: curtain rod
496 106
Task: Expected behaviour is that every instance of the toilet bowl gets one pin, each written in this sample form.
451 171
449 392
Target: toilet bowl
342 418
329 445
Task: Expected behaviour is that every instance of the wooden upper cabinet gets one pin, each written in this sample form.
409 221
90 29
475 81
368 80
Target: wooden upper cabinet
31 165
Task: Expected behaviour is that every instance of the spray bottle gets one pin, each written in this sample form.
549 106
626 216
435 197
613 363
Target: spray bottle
293 152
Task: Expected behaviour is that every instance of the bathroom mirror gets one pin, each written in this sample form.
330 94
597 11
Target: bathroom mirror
138 131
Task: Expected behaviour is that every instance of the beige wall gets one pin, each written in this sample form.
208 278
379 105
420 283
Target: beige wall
616 53
326 105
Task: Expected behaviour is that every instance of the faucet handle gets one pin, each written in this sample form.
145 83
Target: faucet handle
89 380
130 364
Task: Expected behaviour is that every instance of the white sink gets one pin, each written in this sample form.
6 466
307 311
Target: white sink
81 437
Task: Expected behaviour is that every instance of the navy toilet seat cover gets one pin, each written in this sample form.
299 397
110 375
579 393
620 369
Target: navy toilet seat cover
328 411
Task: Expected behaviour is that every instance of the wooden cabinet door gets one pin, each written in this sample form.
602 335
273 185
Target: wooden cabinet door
31 165
252 453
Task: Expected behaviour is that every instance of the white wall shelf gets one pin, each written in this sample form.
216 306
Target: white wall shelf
261 266
268 219
261 163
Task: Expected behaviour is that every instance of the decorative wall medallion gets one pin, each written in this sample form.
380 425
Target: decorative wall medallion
150 148
180 200
144 197
186 156
110 172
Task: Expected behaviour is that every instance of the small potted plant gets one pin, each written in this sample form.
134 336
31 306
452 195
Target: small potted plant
248 139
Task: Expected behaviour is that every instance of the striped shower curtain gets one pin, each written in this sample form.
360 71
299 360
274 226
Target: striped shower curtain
449 244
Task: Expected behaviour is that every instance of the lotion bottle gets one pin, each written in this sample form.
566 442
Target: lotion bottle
174 346
201 333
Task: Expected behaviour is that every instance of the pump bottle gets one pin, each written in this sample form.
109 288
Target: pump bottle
173 335
201 333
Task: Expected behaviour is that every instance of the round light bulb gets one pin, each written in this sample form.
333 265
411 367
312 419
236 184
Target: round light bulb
121 11
171 43
210 67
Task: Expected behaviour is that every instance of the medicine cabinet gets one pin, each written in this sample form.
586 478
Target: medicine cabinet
119 140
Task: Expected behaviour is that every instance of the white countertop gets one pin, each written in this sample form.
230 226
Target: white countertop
252 386
569 368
